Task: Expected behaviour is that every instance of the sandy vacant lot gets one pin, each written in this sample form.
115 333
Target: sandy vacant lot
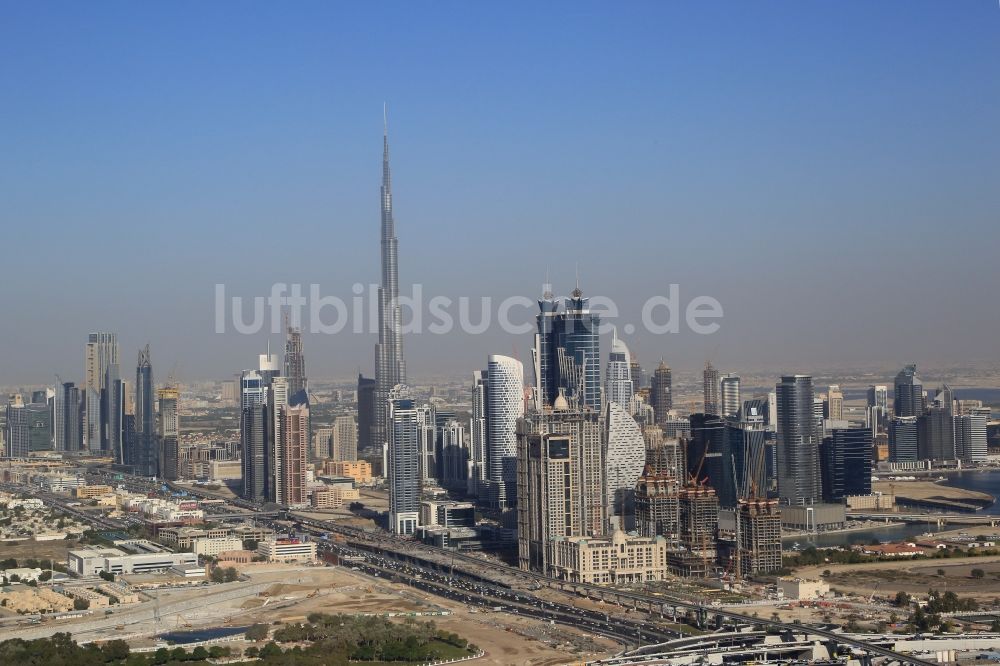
507 639
40 550
914 577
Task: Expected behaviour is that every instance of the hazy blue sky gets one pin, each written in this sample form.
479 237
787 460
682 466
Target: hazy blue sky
829 171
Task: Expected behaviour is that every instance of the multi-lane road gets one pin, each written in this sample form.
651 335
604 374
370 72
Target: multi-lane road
488 584
477 567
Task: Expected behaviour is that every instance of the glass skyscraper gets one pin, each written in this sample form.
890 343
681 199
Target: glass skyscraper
798 442
567 352
908 393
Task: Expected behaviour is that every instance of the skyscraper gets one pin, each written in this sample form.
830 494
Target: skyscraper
846 462
366 415
504 406
292 448
390 369
624 460
904 439
908 393
936 434
970 437
698 526
710 389
39 415
478 459
560 480
16 433
403 462
656 505
344 439
295 362
255 428
567 352
101 351
834 403
454 455
427 446
661 393
268 365
638 375
67 418
759 531
798 444
147 459
618 386
877 413
169 433
706 451
747 444
729 395
114 410
277 402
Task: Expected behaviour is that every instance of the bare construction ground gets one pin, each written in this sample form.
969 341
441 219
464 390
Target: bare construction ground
290 594
39 550
914 577
929 490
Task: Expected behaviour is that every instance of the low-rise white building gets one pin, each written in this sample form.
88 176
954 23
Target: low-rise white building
212 547
92 561
287 550
23 574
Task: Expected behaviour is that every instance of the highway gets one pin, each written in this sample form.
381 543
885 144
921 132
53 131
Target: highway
377 548
439 557
491 597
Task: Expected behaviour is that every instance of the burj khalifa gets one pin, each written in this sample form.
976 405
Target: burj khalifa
390 368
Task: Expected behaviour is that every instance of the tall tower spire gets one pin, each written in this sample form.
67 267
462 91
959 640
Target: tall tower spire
390 369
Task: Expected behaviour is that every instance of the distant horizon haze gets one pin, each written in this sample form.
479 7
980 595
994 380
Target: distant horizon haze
827 172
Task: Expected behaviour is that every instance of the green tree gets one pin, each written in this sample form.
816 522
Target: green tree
81 604
902 599
200 653
978 574
270 650
256 632
116 650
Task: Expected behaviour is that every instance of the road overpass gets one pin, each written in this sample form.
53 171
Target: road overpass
938 519
663 605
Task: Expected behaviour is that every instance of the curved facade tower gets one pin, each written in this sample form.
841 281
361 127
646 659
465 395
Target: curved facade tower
390 369
798 444
624 459
504 406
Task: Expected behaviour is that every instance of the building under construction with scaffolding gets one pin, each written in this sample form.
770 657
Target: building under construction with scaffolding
656 506
759 536
698 517
658 489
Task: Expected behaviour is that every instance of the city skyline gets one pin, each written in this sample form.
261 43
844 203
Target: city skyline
697 301
642 164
